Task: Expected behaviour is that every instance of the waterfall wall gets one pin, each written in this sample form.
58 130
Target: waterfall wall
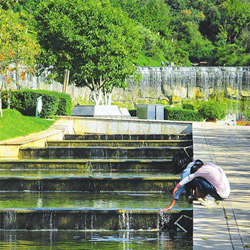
174 84
168 85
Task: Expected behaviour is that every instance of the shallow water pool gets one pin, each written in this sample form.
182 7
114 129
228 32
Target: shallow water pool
103 240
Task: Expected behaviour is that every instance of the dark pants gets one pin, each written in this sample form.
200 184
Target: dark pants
206 187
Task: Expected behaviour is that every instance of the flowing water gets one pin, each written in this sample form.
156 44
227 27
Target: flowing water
177 84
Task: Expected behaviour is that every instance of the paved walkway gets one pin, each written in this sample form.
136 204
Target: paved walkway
226 226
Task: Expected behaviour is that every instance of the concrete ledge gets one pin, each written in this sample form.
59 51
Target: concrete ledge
128 126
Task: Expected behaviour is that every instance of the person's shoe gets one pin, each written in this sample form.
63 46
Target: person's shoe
209 201
200 200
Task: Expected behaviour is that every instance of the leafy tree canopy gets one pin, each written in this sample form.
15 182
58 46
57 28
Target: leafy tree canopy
18 49
171 30
94 40
17 46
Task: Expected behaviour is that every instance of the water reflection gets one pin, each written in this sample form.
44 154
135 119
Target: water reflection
105 240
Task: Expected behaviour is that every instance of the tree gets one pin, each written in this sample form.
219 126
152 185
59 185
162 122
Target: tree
96 42
186 31
18 49
153 14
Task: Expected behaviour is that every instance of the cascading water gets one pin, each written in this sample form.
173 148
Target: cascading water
10 220
124 220
176 84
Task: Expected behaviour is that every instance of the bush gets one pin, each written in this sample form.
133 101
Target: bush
178 114
189 106
54 103
246 114
211 110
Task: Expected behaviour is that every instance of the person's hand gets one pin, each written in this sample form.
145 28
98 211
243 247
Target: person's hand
167 208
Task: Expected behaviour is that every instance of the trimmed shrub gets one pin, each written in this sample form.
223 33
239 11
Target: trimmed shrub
54 103
178 114
64 104
189 106
211 110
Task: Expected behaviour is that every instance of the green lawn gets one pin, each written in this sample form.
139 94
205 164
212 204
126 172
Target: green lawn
14 124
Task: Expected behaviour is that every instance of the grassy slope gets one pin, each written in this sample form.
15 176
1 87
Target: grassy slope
148 61
14 124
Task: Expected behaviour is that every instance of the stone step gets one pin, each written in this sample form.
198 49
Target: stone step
120 143
93 201
128 137
98 219
108 165
88 183
51 173
98 152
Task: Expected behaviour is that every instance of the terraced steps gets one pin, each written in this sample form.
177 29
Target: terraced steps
82 219
86 165
120 143
94 182
85 211
98 152
128 137
79 173
88 201
87 184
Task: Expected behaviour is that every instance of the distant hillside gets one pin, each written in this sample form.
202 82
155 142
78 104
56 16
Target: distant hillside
184 32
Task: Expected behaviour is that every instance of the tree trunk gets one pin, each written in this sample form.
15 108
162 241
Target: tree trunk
16 74
66 81
8 99
110 99
1 108
97 96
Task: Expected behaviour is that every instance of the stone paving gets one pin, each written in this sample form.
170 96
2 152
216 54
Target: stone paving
226 226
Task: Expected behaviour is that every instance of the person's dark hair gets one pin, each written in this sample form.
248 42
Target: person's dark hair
197 165
180 162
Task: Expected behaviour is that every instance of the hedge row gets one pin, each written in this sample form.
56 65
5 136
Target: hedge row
54 103
178 114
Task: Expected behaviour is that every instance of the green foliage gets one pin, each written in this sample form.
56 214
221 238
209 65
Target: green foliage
189 106
54 103
94 40
153 14
17 45
99 41
14 124
211 110
178 114
246 114
143 60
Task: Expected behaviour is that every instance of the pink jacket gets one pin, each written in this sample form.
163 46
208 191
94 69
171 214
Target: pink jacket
213 174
